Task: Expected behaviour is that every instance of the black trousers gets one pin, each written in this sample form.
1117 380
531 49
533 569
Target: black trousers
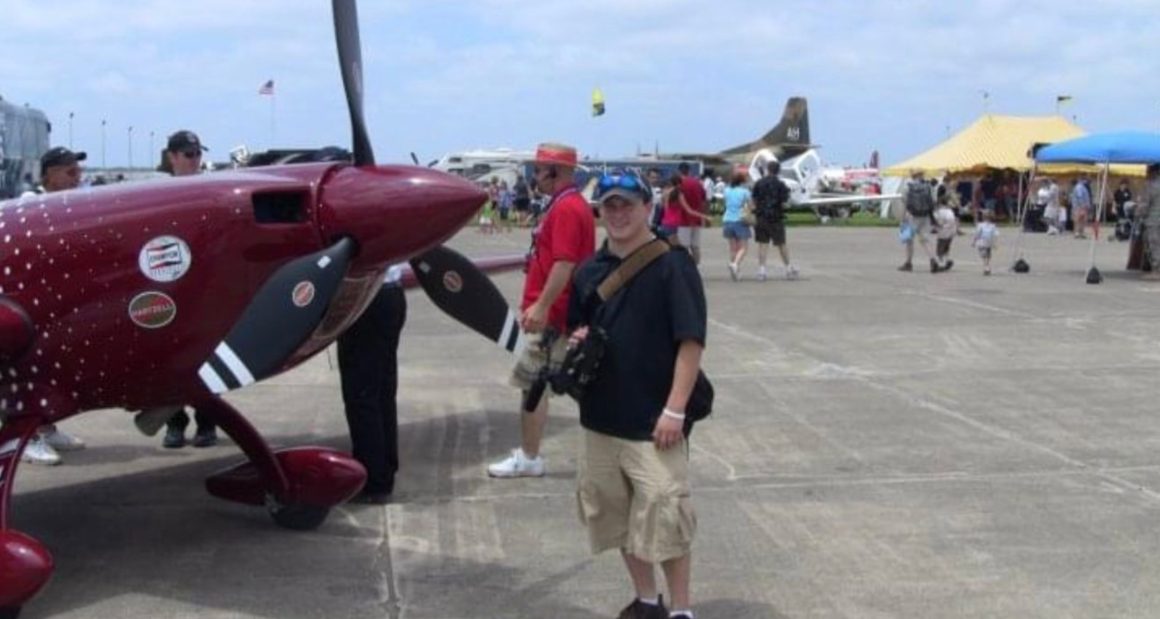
369 369
181 421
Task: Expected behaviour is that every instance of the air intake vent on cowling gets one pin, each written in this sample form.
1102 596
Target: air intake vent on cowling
280 207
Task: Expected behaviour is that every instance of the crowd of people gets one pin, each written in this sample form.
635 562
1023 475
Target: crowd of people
641 295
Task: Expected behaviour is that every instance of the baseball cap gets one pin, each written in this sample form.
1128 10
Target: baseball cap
60 155
624 185
184 141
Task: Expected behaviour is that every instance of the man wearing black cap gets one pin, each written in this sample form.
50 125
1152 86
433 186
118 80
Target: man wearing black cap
59 171
182 156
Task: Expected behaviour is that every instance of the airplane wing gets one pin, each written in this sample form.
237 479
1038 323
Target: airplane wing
846 199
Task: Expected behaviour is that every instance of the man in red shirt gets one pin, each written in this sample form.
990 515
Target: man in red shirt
689 234
565 237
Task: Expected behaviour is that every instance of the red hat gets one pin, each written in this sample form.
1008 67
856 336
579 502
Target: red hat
556 154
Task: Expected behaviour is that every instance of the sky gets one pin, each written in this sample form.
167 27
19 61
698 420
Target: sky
678 75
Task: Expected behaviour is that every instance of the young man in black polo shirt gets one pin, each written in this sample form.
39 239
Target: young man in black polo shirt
633 412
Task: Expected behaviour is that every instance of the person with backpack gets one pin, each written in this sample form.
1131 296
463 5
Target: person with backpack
646 299
919 206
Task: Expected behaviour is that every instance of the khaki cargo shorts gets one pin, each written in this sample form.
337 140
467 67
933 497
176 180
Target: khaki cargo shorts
633 496
533 358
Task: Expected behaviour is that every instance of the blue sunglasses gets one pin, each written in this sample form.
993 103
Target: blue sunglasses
630 182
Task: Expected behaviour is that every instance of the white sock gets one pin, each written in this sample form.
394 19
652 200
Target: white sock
681 613
650 601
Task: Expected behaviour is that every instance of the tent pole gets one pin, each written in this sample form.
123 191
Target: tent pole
1103 182
1023 213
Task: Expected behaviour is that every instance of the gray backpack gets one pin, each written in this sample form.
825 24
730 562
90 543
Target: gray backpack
918 199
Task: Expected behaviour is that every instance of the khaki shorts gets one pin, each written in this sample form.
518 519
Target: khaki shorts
634 496
533 358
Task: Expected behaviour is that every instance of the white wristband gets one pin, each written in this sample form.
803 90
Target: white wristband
673 414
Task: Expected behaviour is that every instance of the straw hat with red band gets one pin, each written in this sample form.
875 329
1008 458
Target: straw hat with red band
555 154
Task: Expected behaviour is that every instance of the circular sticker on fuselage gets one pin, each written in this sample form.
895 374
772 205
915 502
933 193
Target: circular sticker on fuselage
165 259
303 294
152 310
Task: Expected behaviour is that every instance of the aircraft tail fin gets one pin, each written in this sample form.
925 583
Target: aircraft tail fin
794 127
788 137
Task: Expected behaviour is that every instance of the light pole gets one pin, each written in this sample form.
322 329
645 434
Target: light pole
104 165
130 147
70 119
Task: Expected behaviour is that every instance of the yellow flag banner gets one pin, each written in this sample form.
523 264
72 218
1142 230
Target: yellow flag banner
597 103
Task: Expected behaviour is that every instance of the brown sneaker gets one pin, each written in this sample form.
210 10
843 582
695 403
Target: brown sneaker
907 267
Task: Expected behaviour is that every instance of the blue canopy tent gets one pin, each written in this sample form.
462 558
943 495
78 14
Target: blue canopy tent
1104 149
1115 147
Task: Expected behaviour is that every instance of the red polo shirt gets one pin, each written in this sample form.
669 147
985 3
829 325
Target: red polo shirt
567 233
694 194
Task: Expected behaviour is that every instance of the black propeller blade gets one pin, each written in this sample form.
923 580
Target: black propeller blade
280 317
467 294
414 158
350 59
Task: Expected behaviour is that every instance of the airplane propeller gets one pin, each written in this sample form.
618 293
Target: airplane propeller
452 281
350 60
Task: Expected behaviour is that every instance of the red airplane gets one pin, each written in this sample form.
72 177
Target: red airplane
166 293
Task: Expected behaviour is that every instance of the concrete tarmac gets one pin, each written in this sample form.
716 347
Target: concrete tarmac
884 445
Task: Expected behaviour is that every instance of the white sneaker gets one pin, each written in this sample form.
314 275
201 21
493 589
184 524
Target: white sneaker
791 272
37 451
761 274
733 271
518 465
62 441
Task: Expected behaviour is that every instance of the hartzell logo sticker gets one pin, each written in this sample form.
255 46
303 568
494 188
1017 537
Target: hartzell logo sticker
165 259
452 281
303 294
152 310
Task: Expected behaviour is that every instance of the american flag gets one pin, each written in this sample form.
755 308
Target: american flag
267 88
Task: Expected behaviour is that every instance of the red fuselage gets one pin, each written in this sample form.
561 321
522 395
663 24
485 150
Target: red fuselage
129 288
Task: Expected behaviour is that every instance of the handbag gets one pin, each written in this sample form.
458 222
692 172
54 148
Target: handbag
748 217
905 232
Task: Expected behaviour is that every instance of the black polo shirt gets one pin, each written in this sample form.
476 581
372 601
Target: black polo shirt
646 321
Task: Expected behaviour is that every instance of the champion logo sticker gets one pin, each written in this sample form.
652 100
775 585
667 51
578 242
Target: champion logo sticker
152 310
452 281
303 294
165 259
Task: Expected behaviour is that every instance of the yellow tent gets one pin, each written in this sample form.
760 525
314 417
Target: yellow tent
1002 142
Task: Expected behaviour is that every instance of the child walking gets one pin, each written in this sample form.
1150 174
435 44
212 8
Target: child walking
948 226
986 235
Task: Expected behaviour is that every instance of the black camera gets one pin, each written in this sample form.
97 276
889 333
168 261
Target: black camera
579 368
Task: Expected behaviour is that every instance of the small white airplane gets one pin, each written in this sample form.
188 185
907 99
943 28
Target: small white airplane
814 186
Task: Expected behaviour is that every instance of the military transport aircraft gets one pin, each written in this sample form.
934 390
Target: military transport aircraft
788 138
151 295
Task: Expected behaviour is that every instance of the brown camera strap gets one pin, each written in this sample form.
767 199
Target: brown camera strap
632 265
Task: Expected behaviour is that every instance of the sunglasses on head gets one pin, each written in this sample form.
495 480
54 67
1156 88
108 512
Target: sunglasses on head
628 181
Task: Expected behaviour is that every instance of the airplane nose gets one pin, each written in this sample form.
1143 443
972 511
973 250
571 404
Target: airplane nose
394 212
